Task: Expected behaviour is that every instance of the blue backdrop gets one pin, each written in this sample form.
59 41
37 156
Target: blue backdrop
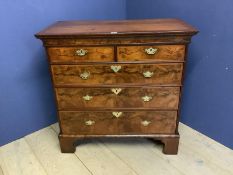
26 101
207 104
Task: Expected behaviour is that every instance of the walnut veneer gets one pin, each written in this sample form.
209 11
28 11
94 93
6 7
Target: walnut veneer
118 78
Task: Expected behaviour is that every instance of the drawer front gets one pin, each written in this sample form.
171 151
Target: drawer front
156 97
80 54
139 122
151 53
135 74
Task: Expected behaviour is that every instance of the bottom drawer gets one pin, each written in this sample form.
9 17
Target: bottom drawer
113 123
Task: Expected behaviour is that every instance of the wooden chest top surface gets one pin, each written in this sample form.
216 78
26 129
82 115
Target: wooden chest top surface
118 28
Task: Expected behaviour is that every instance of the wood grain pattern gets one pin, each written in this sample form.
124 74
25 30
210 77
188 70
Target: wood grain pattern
162 122
117 28
116 58
45 146
1 171
135 40
98 159
17 158
164 53
168 73
68 54
162 98
135 152
198 155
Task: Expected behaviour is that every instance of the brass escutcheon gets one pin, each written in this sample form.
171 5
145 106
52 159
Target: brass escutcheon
117 114
115 68
151 51
81 52
116 90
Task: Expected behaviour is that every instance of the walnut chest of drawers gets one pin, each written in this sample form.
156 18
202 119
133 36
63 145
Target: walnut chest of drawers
118 78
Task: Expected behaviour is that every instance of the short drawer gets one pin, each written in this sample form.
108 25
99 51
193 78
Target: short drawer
118 122
151 53
145 97
80 54
133 74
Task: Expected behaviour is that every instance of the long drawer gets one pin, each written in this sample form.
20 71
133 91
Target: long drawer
116 122
108 74
144 97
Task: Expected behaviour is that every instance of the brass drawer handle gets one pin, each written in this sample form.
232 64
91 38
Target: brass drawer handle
151 50
145 122
116 68
117 114
81 52
146 98
89 122
116 90
85 75
148 74
87 97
